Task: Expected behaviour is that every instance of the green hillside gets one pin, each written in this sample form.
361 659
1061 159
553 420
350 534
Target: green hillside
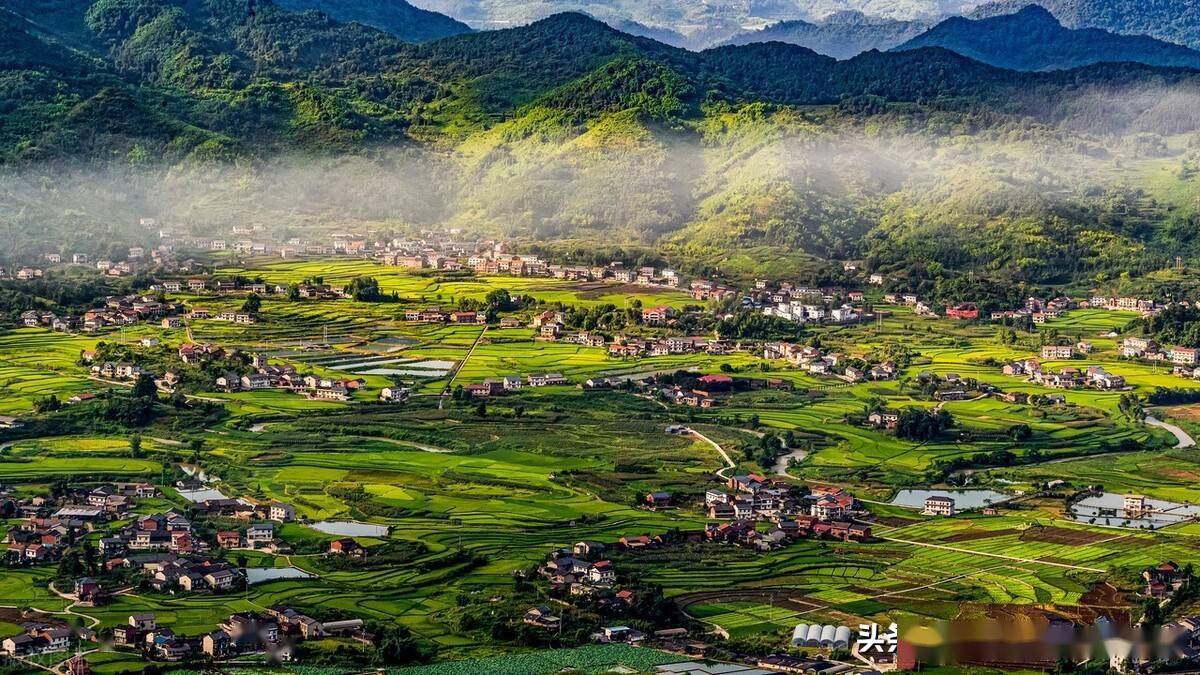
751 158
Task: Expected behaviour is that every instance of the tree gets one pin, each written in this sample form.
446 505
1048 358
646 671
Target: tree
135 446
48 403
1020 432
364 289
252 304
919 424
145 387
396 645
499 300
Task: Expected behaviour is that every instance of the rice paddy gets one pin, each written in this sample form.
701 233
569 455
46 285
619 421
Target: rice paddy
491 490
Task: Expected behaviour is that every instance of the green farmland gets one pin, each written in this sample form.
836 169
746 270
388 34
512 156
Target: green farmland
482 490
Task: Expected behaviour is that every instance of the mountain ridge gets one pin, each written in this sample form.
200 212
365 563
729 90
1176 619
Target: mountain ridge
768 153
1033 39
842 35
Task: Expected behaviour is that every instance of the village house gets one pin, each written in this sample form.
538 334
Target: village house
658 316
347 546
658 500
1184 355
1163 580
541 617
394 394
884 419
963 311
1134 347
547 380
1058 352
939 505
260 535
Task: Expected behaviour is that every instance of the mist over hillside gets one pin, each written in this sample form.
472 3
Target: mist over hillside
738 157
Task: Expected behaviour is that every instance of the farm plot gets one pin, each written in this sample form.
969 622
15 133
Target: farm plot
35 362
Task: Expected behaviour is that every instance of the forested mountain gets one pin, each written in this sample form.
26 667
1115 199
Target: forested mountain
396 17
1175 21
205 113
841 35
1032 39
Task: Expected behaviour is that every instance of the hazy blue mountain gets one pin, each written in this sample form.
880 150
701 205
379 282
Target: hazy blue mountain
841 35
1171 20
1032 39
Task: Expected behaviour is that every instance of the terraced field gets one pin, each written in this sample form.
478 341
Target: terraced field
489 490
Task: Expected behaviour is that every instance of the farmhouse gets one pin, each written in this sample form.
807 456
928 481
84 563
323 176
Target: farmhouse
658 500
547 380
1134 505
1184 355
885 419
541 617
939 505
962 310
1136 347
1163 580
394 394
1058 352
347 546
658 316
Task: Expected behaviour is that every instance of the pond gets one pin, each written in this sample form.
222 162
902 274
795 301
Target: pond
963 499
258 575
350 528
1108 509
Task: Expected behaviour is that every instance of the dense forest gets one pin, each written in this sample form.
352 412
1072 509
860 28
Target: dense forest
764 158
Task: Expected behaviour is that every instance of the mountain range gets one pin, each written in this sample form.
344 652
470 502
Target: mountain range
717 21
1032 39
1175 21
841 35
766 156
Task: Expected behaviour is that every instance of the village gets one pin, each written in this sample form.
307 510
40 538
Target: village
814 425
172 552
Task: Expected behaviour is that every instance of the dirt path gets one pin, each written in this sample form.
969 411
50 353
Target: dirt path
942 404
989 555
1185 441
458 368
70 609
729 463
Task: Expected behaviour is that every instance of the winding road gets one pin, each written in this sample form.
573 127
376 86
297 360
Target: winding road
1185 441
729 463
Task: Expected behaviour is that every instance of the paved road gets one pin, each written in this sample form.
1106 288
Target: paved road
1185 441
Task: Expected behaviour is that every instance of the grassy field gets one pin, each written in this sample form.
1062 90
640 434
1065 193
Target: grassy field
492 490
